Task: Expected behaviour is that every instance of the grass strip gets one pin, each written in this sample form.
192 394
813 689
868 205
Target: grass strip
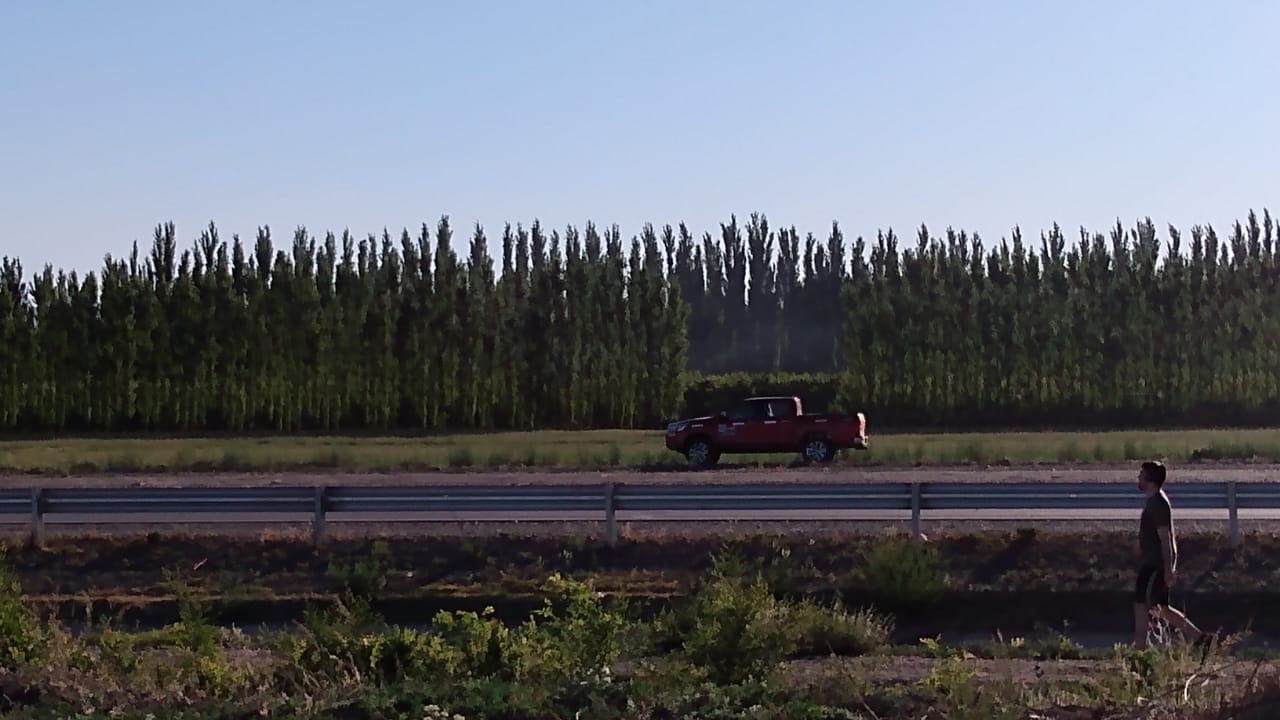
604 449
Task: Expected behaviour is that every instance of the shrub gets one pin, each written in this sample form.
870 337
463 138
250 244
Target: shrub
363 578
20 637
832 630
820 392
901 574
576 637
401 653
193 631
485 647
732 628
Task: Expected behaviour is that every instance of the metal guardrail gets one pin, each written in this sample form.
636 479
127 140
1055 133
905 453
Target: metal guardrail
490 502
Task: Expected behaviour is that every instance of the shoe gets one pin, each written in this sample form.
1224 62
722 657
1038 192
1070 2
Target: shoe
1205 643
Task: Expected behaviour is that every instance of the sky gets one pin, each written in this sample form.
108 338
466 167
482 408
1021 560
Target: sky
977 115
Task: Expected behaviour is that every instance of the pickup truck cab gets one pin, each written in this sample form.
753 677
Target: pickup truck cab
767 425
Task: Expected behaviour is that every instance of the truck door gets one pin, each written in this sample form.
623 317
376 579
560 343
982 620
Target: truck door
778 430
735 430
757 432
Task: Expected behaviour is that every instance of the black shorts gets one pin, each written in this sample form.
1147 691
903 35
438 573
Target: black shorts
1150 588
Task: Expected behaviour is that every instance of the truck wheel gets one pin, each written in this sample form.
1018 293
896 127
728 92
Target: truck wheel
818 450
700 454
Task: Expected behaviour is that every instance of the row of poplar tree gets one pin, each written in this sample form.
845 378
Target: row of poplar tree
581 328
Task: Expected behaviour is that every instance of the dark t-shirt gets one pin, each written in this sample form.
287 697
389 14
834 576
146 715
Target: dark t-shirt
1156 513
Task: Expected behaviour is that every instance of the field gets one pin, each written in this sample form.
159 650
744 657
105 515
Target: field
825 626
603 449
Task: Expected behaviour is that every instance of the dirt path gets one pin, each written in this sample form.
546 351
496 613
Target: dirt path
885 669
1242 473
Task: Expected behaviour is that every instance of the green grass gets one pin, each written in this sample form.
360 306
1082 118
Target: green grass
604 449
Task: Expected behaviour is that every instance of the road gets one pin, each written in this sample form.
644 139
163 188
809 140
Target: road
637 524
877 516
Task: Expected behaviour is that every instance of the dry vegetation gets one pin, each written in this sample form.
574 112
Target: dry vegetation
733 649
603 449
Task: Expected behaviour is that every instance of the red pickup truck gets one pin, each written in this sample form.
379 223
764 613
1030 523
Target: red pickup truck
767 425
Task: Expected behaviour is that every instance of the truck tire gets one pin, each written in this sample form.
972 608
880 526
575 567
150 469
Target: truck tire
700 453
818 450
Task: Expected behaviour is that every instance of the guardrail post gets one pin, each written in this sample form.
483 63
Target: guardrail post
610 516
1233 515
317 522
37 517
915 512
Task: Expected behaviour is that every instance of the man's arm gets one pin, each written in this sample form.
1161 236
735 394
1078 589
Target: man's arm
1166 551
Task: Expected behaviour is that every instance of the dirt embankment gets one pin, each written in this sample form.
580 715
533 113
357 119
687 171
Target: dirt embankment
985 581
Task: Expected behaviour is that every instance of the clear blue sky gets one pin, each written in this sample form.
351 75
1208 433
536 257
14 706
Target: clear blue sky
979 115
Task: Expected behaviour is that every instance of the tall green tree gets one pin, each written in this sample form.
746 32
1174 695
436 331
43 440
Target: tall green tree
590 328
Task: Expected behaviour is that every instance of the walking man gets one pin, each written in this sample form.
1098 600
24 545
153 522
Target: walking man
1157 571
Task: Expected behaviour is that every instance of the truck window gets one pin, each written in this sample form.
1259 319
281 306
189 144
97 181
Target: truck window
782 409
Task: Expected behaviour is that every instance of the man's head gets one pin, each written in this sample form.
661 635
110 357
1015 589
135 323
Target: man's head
1151 477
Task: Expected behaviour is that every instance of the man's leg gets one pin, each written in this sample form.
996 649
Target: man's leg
1176 618
1141 607
1140 621
1158 596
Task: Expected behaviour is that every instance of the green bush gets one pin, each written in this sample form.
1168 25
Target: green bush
365 577
575 637
709 394
735 629
21 643
732 628
822 630
903 575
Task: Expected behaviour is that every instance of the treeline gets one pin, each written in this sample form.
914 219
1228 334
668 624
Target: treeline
577 330
581 328
1116 329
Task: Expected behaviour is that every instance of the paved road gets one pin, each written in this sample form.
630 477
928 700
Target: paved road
886 516
639 524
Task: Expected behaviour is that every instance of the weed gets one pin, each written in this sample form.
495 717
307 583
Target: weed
576 637
118 650
365 577
832 630
972 452
234 460
732 628
1071 452
901 574
193 631
20 633
461 457
963 696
